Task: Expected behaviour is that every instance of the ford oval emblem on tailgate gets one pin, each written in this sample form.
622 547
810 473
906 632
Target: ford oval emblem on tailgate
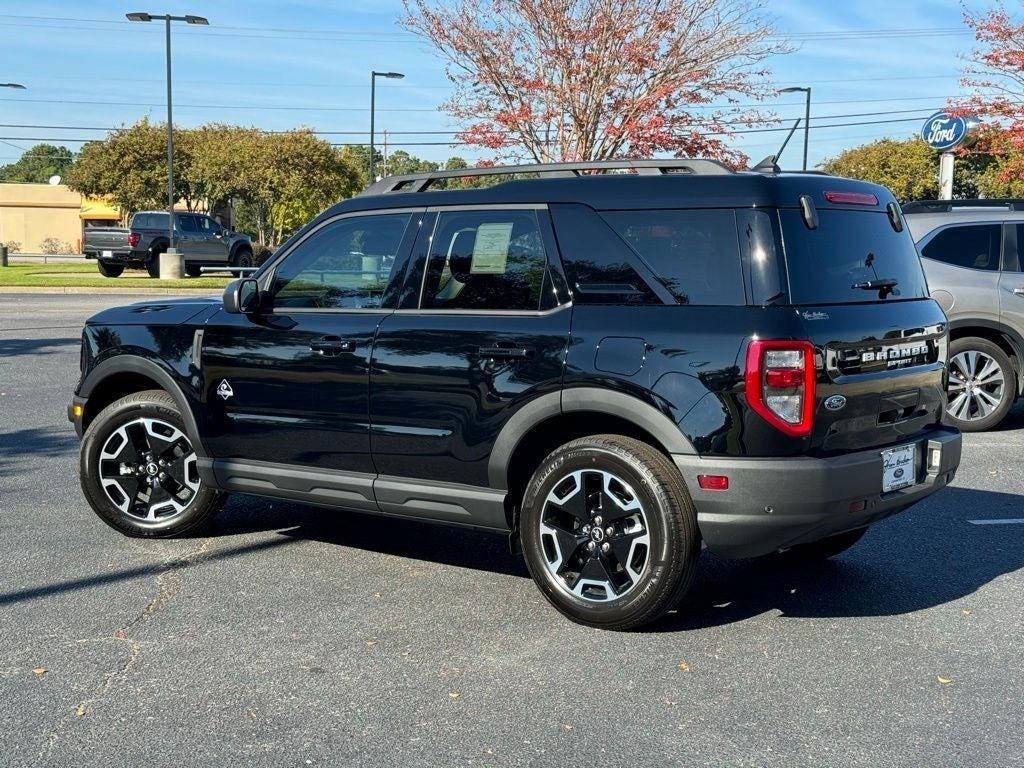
835 403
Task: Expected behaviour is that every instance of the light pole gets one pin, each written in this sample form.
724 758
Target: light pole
807 117
19 86
373 99
167 19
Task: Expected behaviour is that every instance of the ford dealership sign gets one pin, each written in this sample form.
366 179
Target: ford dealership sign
943 132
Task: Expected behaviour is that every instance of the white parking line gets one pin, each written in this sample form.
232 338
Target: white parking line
999 521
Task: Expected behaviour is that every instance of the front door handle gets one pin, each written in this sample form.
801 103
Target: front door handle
505 353
331 346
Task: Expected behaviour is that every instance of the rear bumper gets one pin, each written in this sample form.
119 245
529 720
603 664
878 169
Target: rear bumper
773 504
116 257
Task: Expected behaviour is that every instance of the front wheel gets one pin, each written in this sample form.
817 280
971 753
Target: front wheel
242 258
609 532
193 270
139 470
110 270
982 385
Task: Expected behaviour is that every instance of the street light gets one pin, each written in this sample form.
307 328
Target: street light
19 86
167 18
807 116
373 98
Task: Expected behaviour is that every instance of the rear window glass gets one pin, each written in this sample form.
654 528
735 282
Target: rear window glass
828 265
694 253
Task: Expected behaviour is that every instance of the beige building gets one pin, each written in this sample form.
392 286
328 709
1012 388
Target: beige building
41 217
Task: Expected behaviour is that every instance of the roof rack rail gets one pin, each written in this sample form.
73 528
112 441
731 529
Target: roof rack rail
945 206
419 182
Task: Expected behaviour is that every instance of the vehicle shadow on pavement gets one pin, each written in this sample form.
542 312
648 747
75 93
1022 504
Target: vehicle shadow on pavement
15 347
926 557
22 449
447 545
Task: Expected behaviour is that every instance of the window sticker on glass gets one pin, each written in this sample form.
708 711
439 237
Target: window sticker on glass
490 251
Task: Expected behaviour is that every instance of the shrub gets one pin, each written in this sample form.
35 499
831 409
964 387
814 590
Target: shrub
13 246
260 253
52 246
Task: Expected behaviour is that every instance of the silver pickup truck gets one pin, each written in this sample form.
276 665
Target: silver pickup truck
200 239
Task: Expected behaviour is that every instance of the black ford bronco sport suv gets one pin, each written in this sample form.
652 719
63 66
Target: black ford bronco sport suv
612 368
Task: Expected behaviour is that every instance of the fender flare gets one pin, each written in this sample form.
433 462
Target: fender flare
141 365
579 399
236 247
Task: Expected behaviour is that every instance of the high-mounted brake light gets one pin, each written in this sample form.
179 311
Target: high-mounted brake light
780 384
851 198
133 239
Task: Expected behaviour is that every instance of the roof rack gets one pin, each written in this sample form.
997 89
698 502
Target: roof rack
419 182
945 206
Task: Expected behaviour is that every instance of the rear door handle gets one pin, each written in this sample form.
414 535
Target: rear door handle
332 346
505 353
1019 291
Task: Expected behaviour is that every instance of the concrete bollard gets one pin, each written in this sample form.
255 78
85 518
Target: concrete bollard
170 265
3 255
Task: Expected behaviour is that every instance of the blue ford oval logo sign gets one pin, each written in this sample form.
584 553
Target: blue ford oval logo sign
835 403
943 132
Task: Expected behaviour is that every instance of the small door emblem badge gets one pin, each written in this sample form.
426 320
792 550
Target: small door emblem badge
835 403
224 390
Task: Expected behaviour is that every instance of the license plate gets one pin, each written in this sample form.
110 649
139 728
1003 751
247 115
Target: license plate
898 467
107 254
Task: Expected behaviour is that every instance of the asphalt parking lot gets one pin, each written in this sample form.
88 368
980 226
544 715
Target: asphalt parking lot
294 636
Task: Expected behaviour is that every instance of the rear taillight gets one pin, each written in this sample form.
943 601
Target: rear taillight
780 384
133 239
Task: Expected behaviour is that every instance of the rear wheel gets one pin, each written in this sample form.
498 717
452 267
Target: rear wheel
110 270
609 532
139 470
193 270
153 265
982 384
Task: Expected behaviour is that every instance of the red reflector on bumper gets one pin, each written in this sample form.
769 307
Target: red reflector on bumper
858 506
713 482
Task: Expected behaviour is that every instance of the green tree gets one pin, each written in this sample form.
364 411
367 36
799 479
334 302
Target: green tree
908 168
38 164
130 167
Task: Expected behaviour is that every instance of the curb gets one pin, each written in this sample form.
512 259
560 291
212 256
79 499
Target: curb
76 290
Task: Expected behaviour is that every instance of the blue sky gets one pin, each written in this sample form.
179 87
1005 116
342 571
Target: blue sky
318 76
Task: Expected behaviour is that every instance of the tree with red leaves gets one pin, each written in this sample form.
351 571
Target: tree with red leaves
561 80
995 74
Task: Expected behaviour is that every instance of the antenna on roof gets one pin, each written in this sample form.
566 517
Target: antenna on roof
770 163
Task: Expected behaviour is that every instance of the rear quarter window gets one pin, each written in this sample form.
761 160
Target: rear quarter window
827 265
694 253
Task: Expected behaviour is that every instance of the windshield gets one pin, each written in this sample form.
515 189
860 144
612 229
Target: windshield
852 257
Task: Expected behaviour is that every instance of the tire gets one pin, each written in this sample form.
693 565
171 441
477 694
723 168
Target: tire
639 586
982 385
242 258
153 265
125 431
825 548
193 270
110 270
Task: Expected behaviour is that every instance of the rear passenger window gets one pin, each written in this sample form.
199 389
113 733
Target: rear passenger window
485 260
188 224
975 247
694 253
598 264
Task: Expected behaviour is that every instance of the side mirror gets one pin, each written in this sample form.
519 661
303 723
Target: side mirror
242 296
